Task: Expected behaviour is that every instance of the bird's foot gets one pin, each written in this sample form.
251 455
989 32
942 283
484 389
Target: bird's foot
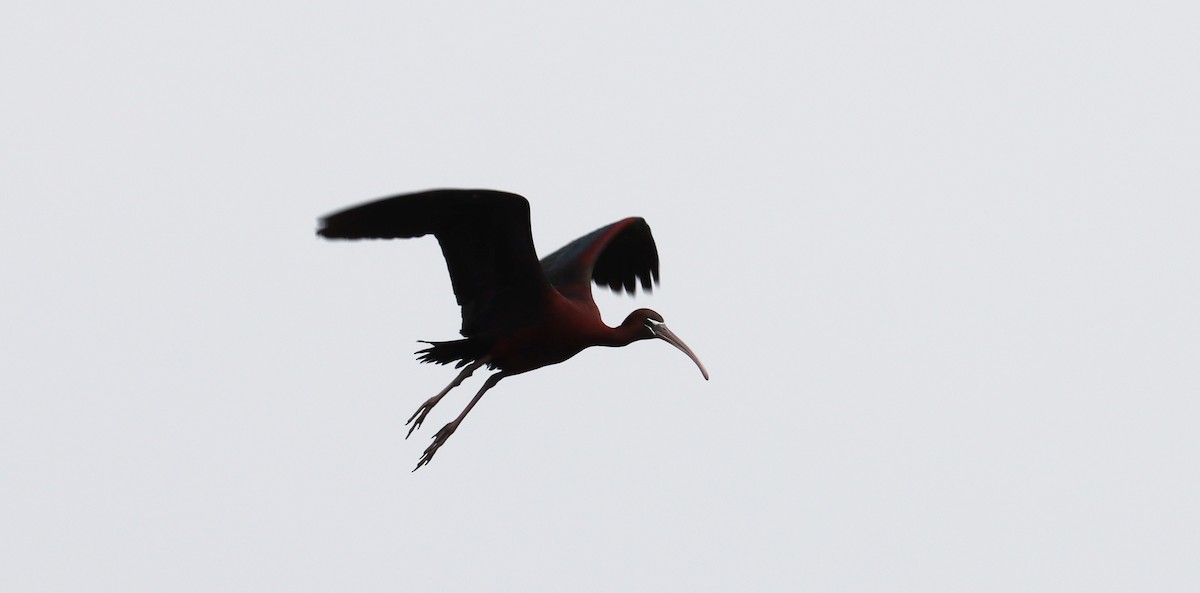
439 439
420 415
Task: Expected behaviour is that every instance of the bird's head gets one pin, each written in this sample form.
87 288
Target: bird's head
646 324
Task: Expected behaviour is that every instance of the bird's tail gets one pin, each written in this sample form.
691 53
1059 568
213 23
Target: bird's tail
460 352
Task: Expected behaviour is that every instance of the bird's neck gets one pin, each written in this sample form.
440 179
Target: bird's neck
627 333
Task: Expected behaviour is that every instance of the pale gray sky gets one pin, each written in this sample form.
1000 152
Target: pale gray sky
940 259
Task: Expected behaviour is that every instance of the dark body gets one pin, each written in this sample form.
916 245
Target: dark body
518 314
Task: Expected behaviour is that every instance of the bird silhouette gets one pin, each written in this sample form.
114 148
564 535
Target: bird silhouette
518 314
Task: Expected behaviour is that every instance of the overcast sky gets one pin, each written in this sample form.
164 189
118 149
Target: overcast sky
939 257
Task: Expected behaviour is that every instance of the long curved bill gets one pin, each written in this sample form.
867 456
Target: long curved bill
660 330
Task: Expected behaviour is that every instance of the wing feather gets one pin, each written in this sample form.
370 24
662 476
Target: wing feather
485 238
619 256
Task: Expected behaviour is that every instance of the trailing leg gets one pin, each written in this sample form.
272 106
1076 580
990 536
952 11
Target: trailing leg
423 411
439 439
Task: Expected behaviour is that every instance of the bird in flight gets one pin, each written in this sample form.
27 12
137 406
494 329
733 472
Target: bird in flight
518 313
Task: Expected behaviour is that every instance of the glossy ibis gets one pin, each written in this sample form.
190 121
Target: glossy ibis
518 314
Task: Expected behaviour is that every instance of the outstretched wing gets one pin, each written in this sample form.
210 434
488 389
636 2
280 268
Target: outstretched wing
485 239
618 256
